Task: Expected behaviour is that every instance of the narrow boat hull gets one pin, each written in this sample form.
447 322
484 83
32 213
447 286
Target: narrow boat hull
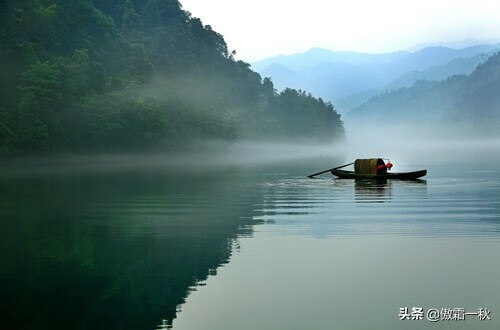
398 176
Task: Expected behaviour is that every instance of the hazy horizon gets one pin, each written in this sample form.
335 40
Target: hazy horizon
382 26
456 44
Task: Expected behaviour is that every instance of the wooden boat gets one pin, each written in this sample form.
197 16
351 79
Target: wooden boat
373 169
383 176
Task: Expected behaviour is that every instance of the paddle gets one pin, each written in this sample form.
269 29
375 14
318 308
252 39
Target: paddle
335 168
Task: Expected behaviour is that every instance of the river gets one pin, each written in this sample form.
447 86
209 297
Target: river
124 245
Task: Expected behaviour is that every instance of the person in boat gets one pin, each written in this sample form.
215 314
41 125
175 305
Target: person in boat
371 168
382 168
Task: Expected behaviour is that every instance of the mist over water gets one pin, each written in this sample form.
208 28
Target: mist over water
407 147
234 235
420 144
210 155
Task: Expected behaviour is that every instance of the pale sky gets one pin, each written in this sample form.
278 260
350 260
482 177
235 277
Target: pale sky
262 28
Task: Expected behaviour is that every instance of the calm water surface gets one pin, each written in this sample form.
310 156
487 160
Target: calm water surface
246 247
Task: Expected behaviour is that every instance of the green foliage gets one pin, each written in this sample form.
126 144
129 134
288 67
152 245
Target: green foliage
33 132
118 121
7 135
135 74
42 81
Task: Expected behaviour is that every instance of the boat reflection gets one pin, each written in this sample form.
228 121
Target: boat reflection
372 191
381 191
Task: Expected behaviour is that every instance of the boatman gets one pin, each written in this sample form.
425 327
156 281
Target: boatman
383 166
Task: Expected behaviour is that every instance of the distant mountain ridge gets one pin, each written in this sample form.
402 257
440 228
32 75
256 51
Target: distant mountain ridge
467 100
468 42
338 75
317 55
436 73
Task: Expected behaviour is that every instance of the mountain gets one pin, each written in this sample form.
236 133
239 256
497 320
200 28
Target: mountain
468 42
282 73
440 72
336 75
436 73
315 56
115 75
471 101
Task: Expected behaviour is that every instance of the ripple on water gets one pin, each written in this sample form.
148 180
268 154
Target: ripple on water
432 208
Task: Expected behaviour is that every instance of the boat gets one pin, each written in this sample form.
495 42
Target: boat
399 176
375 168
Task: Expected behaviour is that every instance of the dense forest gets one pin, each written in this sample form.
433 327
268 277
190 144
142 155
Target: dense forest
112 75
465 100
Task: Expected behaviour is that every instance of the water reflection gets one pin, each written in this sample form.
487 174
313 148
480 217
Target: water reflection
114 251
381 190
347 255
458 205
125 250
372 191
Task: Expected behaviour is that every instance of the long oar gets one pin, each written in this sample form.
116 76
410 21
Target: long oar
335 168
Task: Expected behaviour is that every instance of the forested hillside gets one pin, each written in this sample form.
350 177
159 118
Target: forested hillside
108 75
472 100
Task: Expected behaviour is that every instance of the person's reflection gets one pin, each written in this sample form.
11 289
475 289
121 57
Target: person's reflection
372 191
